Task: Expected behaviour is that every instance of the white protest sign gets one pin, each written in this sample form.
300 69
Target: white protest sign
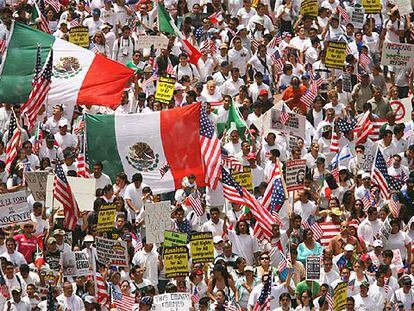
313 268
75 264
157 220
294 126
172 302
112 252
357 17
295 174
404 7
397 54
402 108
145 42
14 208
36 181
82 188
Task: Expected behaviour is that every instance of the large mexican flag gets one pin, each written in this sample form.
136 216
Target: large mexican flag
163 146
79 75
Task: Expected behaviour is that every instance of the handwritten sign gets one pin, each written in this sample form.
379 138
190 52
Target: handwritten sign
244 178
295 174
106 218
202 247
357 17
172 302
157 220
175 261
335 55
404 7
165 90
397 54
313 268
295 125
75 263
372 6
146 42
36 181
172 238
309 8
112 252
14 208
79 36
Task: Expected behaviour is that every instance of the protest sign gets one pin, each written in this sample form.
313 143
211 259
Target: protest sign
372 6
244 178
313 267
172 302
36 181
165 90
340 295
14 208
385 230
295 174
175 261
80 36
83 189
295 125
346 82
157 220
357 17
145 42
202 247
404 7
309 8
397 54
172 238
106 218
112 252
397 261
335 55
402 108
75 263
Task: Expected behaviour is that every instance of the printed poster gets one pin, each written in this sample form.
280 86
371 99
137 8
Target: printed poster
335 55
202 247
295 174
176 261
112 252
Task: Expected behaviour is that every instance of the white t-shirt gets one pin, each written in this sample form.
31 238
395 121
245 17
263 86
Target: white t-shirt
398 241
304 209
135 195
244 245
102 181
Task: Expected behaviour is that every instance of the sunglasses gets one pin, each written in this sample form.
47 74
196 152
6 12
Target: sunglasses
264 258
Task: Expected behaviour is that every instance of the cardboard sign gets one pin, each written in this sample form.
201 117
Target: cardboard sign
14 208
402 108
172 302
295 125
36 181
75 263
165 90
157 220
335 55
372 6
309 8
295 174
175 261
340 295
80 36
172 238
112 252
313 268
244 178
404 7
106 218
145 42
202 247
357 17
397 54
83 189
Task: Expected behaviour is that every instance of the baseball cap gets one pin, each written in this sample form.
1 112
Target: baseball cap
241 27
336 211
224 46
251 156
16 289
96 11
142 96
217 239
378 243
89 298
59 232
349 248
63 123
146 300
364 283
263 92
406 280
89 238
366 175
51 240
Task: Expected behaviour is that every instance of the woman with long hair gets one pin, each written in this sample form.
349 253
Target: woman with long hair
221 280
99 41
308 247
306 303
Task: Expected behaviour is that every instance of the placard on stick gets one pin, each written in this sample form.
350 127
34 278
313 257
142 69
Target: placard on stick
335 55
202 247
175 261
157 220
313 268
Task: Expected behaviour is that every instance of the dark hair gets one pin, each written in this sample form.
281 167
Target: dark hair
237 230
98 163
214 209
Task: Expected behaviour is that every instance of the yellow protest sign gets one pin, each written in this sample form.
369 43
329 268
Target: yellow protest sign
335 55
202 247
79 36
106 218
340 294
165 90
309 8
172 238
244 178
175 261
372 6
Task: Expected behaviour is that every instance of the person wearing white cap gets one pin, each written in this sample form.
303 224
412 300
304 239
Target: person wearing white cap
344 259
68 301
52 123
63 138
16 303
365 189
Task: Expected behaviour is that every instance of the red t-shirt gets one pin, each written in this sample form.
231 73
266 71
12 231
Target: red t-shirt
296 95
26 246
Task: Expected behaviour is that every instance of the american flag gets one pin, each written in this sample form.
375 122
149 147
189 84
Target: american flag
195 202
334 147
277 60
348 50
274 195
263 302
216 17
37 68
37 97
210 150
229 161
364 59
195 296
329 300
230 307
377 123
208 46
170 70
63 193
44 24
395 205
93 48
13 142
344 126
380 176
343 13
164 169
3 46
138 241
239 195
123 302
363 128
274 43
314 226
255 43
284 115
102 290
133 22
38 139
312 92
55 4
368 199
82 163
74 23
150 80
79 126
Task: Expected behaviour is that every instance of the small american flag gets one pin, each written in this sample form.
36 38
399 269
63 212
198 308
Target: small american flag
3 287
62 192
210 150
93 48
263 302
13 142
312 92
329 300
314 226
102 290
208 46
274 43
164 169
334 147
363 128
395 205
170 70
216 17
368 200
82 163
277 60
195 203
343 13
123 302
348 50
79 126
255 43
195 296
55 4
345 126
231 307
364 59
229 161
150 80
138 240
74 23
3 46
274 196
284 115
44 24
377 123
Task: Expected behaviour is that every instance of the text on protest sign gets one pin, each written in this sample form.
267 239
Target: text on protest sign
340 295
165 90
372 6
335 55
106 218
313 268
172 302
14 208
309 8
295 174
157 220
397 54
175 261
244 178
112 252
202 247
75 263
79 36
172 238
295 125
145 42
404 7
36 181
357 17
